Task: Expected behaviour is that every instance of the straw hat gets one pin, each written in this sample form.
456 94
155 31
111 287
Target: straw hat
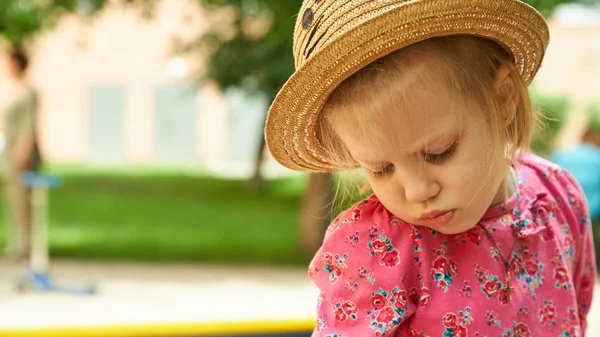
334 39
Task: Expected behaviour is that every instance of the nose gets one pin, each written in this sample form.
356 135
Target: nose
419 188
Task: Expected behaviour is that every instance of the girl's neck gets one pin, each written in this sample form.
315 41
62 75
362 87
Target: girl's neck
507 188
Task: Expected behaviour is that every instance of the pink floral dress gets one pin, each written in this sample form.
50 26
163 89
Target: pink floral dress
381 276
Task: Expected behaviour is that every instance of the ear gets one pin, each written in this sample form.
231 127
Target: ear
507 92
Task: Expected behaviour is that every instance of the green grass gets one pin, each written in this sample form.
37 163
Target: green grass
167 216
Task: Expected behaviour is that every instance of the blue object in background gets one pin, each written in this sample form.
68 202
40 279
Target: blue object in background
37 278
583 162
35 179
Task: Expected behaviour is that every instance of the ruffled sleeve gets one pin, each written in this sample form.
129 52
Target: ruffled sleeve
368 285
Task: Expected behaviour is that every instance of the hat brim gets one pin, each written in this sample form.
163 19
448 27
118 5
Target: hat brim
290 130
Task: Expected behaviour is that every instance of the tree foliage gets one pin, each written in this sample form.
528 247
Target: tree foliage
264 64
20 20
547 6
256 63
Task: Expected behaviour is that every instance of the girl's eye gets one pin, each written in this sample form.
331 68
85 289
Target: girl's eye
380 174
439 158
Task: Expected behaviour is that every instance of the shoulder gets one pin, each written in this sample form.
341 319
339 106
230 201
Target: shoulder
367 220
366 239
361 215
545 179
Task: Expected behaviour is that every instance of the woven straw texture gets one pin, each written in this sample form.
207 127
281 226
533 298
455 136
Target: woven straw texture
333 39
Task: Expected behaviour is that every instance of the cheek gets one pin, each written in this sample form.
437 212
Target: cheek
468 172
387 191
477 174
381 187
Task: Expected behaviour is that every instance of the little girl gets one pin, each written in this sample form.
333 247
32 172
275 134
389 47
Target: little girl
466 234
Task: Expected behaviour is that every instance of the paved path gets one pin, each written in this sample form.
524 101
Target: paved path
133 294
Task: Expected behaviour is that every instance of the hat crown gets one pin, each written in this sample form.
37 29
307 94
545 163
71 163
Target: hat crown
321 21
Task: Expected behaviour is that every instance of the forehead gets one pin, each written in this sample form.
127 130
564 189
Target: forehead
424 118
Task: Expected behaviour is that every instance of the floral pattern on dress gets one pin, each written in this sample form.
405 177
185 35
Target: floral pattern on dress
381 276
472 237
491 285
344 310
492 319
547 314
382 247
387 311
570 324
334 264
532 274
518 329
456 325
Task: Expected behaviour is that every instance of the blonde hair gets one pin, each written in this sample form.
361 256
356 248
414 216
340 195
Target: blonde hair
467 65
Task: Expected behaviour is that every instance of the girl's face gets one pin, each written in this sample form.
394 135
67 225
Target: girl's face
439 167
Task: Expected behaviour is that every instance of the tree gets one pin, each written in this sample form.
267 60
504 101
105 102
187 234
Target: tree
547 6
258 58
21 20
259 64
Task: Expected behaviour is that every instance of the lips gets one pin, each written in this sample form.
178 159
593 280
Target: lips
433 215
437 218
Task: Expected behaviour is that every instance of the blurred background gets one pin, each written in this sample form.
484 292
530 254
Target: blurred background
151 112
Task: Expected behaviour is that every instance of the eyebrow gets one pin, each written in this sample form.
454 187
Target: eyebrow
421 146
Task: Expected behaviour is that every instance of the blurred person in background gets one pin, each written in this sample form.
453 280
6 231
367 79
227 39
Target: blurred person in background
20 152
578 151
